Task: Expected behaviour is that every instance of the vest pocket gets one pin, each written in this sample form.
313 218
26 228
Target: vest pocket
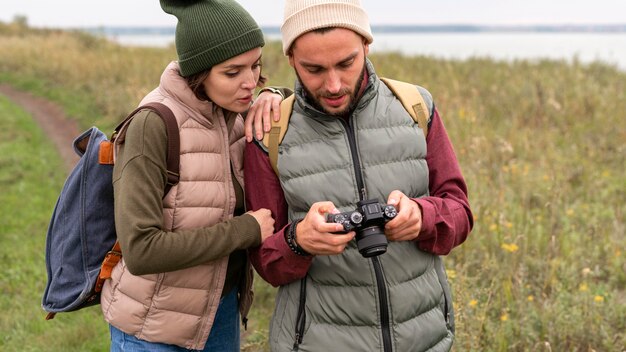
279 315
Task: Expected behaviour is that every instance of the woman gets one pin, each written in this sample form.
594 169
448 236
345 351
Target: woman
184 277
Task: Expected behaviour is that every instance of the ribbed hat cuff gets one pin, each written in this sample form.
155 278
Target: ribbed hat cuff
212 56
325 15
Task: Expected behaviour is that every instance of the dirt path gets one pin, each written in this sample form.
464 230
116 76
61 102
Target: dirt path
51 119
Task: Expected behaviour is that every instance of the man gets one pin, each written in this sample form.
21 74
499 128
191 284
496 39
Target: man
350 139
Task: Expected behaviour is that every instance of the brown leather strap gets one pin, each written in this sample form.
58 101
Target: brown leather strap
110 261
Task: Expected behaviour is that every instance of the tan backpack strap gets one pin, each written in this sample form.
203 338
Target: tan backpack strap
411 100
277 132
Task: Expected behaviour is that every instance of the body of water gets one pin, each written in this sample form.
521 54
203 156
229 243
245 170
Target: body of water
584 47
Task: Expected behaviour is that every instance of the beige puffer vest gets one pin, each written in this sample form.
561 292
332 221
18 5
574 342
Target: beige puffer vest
179 307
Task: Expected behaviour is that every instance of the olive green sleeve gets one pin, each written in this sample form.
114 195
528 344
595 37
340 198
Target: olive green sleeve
139 177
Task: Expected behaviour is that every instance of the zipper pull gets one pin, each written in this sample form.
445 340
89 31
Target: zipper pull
296 344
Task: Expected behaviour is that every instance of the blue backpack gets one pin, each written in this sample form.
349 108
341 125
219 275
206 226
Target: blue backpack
81 245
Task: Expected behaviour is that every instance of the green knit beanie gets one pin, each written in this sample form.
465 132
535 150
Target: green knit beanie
211 31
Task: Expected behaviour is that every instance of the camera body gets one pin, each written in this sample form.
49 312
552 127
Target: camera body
368 221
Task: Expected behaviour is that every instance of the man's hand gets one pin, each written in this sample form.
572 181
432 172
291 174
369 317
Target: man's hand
407 225
266 104
316 236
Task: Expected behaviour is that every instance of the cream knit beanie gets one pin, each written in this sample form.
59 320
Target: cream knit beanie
302 16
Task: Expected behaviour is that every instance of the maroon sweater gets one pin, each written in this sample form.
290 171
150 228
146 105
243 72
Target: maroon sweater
446 214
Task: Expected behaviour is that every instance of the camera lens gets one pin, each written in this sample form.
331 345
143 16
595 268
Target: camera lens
371 241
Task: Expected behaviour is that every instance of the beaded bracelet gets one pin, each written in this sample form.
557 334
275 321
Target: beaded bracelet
290 238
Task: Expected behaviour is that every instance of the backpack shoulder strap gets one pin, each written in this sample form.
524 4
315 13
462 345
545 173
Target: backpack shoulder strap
412 101
173 138
408 94
272 139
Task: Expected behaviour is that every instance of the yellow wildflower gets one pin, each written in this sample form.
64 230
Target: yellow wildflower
583 287
569 212
473 303
598 299
530 298
451 274
462 114
504 317
512 248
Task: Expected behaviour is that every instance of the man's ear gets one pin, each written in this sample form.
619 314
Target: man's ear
291 62
366 47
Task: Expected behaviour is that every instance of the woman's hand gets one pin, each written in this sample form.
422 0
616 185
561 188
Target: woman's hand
265 105
266 222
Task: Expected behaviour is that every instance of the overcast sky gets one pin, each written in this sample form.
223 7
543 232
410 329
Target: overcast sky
81 13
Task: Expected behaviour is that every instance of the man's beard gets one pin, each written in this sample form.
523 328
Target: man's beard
313 100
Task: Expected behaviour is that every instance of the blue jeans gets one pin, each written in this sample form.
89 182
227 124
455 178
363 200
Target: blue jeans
224 335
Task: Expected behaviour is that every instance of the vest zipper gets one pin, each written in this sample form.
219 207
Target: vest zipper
301 317
227 167
378 268
222 125
349 126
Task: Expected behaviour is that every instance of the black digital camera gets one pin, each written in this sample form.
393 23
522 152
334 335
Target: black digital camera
368 221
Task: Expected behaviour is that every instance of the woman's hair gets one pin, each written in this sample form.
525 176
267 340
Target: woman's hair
195 83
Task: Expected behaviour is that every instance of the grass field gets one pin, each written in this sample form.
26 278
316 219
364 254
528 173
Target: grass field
542 146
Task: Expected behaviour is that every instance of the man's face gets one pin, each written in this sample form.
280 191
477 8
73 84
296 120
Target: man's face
330 67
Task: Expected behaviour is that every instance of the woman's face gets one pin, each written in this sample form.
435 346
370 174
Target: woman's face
230 84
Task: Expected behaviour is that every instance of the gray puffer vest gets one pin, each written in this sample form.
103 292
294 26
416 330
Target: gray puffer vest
398 301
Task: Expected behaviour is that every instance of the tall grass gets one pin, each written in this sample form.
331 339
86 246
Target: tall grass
31 175
542 145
